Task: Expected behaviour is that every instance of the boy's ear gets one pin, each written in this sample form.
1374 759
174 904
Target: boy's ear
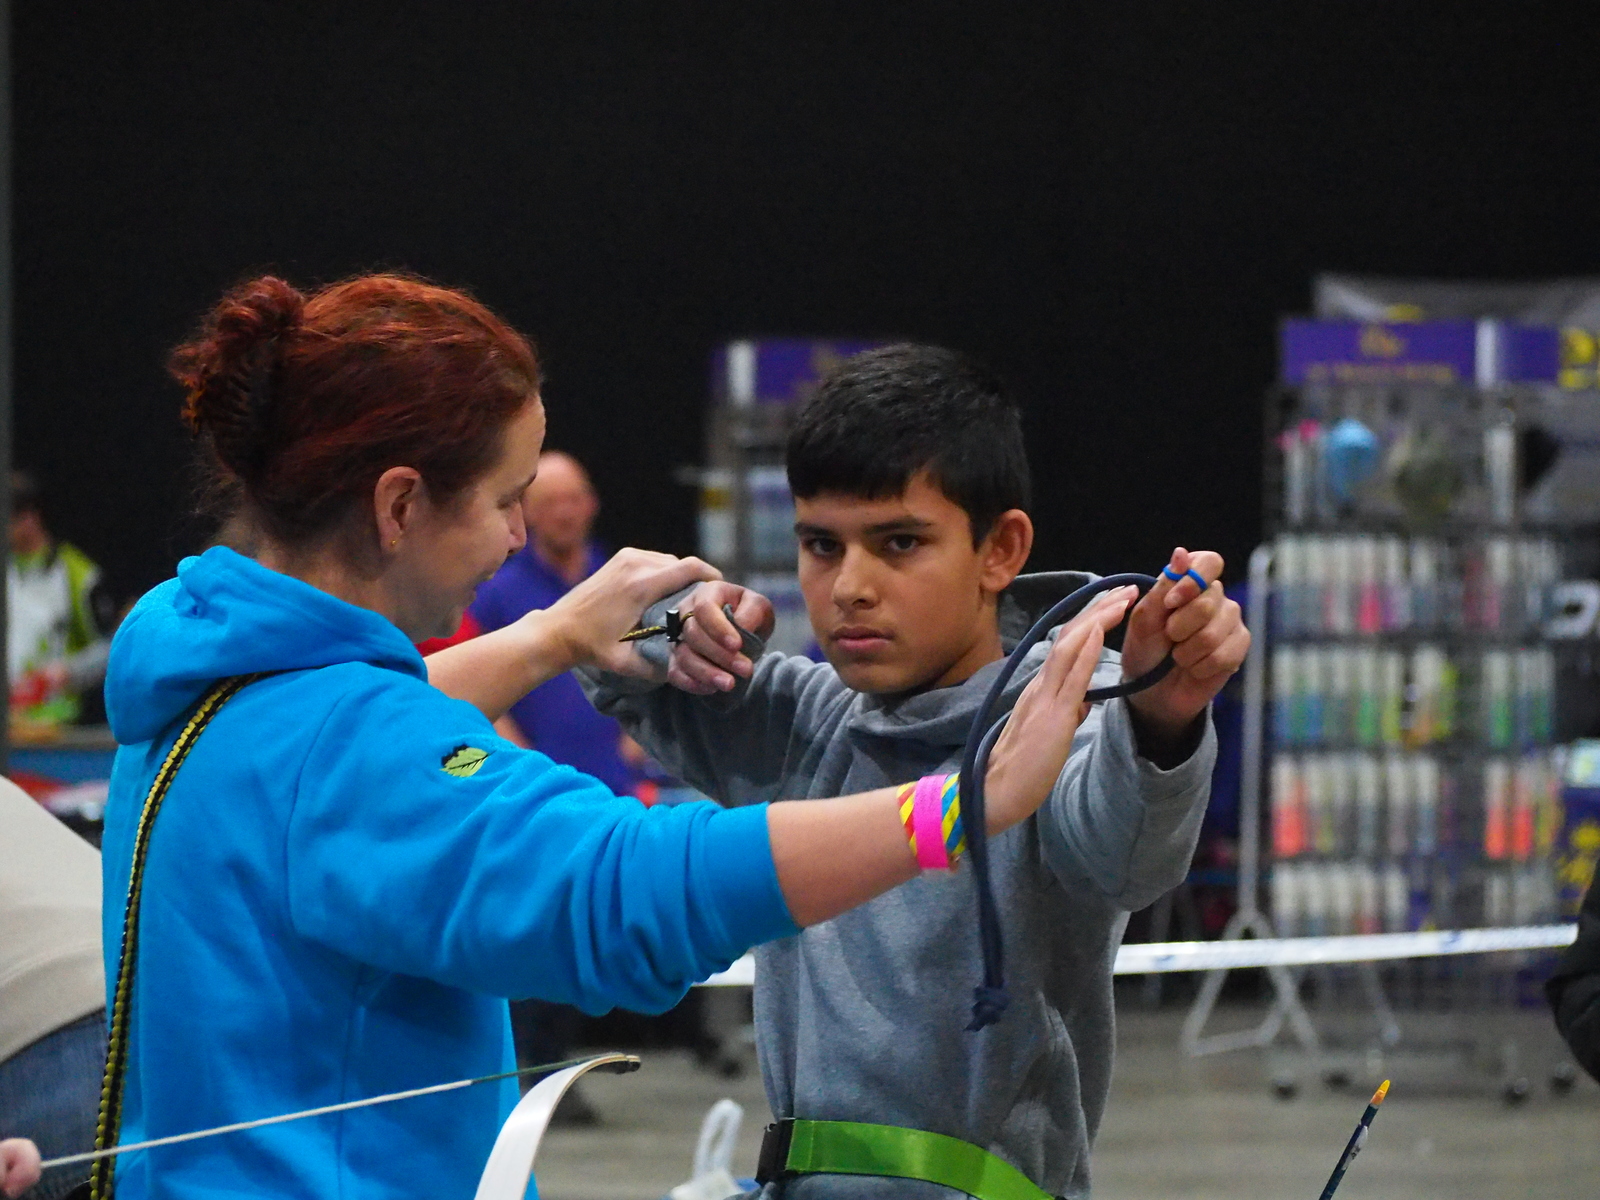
1003 552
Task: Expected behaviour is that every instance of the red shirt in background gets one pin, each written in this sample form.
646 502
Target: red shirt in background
469 629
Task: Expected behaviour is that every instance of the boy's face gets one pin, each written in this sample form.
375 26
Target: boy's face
899 597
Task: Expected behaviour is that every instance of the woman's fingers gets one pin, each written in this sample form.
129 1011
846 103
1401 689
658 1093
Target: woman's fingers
1084 661
1104 615
648 575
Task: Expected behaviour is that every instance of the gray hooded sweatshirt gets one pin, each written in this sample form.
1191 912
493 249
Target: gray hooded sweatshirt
862 1018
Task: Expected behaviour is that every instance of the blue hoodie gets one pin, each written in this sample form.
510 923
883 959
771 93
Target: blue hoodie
329 913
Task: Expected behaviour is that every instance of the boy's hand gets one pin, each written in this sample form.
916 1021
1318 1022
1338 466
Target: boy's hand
19 1166
709 659
1205 633
1028 756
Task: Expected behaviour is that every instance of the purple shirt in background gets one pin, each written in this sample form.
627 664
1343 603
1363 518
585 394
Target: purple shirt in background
555 717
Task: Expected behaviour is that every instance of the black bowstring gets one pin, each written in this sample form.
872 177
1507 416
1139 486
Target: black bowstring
990 997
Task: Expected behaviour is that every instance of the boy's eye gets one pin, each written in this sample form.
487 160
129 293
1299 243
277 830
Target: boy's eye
822 547
902 543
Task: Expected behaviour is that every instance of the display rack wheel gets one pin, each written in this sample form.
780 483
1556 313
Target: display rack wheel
510 1166
1336 1080
1563 1078
1285 1087
1515 1092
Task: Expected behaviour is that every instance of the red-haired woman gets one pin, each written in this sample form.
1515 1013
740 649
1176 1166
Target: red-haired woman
350 871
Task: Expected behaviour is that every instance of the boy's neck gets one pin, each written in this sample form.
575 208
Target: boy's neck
985 649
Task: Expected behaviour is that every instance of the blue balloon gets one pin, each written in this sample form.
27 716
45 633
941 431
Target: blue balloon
1350 455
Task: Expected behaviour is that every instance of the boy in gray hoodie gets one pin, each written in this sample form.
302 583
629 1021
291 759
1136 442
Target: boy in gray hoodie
911 488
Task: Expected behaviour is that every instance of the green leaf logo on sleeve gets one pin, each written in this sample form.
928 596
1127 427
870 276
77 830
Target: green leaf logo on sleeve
463 762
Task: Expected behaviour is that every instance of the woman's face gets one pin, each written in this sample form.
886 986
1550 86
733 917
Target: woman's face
445 552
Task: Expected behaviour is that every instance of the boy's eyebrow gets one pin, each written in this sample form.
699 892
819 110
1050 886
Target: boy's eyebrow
906 524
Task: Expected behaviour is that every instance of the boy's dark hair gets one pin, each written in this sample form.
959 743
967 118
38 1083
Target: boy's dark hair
886 414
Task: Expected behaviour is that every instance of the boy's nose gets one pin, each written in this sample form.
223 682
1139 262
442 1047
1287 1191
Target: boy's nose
853 586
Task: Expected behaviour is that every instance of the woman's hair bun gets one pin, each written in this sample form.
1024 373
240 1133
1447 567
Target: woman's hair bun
230 370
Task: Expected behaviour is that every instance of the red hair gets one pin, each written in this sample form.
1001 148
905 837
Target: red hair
304 401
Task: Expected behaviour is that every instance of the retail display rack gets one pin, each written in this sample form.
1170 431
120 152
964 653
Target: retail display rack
1432 508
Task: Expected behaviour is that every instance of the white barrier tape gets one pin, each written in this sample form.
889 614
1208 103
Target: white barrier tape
1153 958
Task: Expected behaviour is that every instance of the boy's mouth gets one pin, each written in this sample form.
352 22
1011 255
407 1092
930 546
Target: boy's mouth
859 639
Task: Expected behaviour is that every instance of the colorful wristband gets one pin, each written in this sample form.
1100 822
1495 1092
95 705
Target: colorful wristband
955 834
930 810
927 819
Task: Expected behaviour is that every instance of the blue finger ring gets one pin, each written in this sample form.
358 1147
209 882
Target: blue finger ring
1191 573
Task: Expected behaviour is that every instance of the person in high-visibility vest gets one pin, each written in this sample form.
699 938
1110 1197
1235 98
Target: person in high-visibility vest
60 615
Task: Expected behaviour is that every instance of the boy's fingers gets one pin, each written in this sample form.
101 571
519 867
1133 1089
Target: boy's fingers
710 645
1225 659
1205 563
755 613
1194 616
689 672
1155 599
709 618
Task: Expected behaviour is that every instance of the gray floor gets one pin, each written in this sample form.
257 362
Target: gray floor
1206 1130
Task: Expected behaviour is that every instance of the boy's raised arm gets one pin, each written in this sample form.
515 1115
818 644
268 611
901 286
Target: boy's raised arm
1127 810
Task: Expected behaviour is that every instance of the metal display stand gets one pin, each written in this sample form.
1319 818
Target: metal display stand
1248 920
1413 781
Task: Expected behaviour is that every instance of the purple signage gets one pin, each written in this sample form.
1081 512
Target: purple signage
1439 352
776 370
1436 352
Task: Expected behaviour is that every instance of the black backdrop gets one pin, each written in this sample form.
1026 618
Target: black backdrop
1110 201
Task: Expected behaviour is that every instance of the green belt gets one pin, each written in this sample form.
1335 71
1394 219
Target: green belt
850 1148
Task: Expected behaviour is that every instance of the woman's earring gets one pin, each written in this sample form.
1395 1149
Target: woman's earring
393 542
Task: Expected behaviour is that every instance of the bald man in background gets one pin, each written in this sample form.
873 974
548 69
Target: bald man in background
556 718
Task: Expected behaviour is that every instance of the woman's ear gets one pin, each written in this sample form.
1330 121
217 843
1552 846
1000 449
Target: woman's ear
395 501
1004 551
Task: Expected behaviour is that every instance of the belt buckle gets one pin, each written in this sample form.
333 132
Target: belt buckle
774 1161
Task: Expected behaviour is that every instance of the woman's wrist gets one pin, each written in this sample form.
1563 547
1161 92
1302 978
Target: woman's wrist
552 639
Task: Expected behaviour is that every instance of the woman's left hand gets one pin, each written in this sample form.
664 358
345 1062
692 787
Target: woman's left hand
593 616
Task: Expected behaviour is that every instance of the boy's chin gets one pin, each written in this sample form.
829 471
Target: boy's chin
879 678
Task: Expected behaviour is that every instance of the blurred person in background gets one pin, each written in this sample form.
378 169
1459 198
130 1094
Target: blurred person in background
556 718
61 616
52 992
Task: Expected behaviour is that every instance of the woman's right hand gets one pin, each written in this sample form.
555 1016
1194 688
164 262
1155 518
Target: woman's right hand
19 1166
1032 749
594 615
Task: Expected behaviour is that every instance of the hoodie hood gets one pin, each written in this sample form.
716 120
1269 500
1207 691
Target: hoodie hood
226 614
943 716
